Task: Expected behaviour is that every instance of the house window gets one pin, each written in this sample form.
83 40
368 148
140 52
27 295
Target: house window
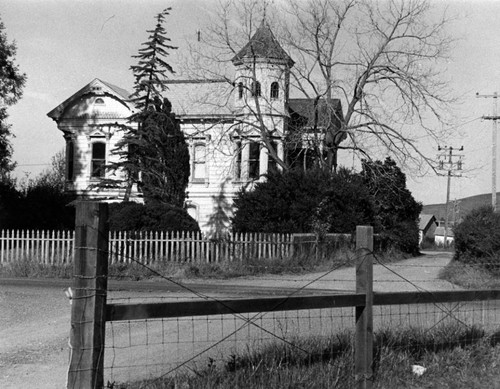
271 162
99 101
254 160
240 90
98 159
199 162
301 158
256 90
70 161
275 90
239 158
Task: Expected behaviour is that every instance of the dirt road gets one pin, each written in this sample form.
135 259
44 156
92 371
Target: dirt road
34 319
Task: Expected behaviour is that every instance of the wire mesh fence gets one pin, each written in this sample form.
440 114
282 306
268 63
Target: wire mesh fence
152 338
141 350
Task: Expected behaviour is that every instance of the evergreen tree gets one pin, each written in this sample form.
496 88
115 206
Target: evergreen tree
155 154
164 156
396 211
152 70
11 85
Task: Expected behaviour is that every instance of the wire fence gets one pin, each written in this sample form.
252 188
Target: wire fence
157 336
141 352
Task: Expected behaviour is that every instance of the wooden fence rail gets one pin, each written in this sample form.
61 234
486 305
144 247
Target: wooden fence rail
90 310
56 247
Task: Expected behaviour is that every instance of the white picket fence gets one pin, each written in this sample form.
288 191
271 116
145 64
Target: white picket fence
56 247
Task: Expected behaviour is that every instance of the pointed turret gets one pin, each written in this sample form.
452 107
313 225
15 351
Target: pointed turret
264 46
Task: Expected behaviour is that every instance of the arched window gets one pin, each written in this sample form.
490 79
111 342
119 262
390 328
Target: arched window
275 90
98 159
256 90
240 90
99 101
199 162
70 161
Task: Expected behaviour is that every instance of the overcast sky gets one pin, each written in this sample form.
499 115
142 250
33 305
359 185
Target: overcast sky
63 45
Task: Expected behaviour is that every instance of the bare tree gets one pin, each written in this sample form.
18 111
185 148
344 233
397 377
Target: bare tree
384 60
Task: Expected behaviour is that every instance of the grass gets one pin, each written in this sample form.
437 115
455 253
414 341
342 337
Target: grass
33 268
469 276
298 264
454 357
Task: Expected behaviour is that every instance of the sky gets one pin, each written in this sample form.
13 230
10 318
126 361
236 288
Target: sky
63 45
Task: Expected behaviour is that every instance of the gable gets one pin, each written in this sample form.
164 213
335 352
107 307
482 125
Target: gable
425 220
97 99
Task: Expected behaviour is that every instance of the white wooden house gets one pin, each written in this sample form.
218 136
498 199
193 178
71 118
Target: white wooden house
219 119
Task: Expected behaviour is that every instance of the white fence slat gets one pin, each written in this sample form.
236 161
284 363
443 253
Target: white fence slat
56 247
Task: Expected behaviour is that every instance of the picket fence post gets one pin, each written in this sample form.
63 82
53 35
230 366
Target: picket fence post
89 296
363 344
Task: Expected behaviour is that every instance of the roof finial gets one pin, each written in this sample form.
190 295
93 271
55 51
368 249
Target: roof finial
264 11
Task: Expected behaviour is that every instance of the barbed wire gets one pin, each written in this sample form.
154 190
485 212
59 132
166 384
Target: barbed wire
247 321
252 321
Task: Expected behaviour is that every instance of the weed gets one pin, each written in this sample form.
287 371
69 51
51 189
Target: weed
469 276
29 267
450 360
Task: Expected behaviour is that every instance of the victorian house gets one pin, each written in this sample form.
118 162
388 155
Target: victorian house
236 131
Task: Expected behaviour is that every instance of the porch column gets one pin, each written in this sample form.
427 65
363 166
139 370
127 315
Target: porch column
263 160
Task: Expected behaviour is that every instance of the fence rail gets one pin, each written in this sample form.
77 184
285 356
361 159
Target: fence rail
148 335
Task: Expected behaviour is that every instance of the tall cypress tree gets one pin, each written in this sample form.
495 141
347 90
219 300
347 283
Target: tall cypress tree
155 154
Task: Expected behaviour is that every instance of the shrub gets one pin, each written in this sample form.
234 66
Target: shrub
396 211
130 216
299 201
477 238
40 205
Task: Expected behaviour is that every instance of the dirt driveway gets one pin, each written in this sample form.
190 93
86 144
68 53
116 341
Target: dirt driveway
34 320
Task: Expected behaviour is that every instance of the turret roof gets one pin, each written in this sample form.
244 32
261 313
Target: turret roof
264 45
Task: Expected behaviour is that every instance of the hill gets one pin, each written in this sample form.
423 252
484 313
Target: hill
461 207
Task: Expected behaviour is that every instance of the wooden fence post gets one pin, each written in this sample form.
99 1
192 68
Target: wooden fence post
363 353
89 296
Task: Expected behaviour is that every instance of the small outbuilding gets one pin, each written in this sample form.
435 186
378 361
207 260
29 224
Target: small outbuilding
427 227
439 238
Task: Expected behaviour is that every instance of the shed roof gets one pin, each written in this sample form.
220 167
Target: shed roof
425 220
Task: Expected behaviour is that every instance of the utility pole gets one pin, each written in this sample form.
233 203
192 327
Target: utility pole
494 118
447 162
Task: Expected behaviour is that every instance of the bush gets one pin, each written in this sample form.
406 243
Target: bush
477 238
403 236
396 211
301 202
39 206
130 216
47 207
